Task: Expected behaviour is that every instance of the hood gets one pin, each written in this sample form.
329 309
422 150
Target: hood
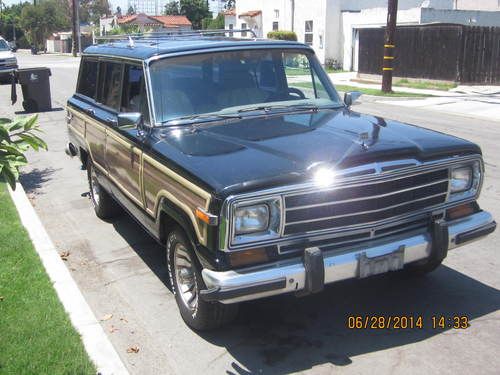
253 153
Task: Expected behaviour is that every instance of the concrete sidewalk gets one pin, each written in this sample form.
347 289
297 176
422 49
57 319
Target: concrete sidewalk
479 102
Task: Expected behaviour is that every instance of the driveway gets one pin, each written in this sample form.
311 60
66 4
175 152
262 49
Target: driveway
121 271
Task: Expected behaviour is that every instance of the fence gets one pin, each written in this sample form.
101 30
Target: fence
465 54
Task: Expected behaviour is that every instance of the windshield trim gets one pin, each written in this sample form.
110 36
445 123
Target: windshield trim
299 47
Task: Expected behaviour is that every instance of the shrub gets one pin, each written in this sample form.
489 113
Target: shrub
282 35
16 137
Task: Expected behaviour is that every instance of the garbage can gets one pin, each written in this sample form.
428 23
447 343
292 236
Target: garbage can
35 84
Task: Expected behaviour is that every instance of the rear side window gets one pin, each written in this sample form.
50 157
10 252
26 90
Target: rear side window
88 78
110 84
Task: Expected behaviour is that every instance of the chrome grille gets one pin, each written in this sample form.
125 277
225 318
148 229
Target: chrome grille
371 202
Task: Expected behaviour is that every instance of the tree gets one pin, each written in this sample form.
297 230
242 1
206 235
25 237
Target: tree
214 23
172 8
118 11
130 10
230 4
16 137
195 11
93 10
40 21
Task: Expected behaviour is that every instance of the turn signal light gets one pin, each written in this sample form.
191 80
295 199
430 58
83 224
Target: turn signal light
460 211
246 257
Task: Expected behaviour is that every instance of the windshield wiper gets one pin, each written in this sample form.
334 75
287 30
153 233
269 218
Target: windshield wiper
270 108
195 118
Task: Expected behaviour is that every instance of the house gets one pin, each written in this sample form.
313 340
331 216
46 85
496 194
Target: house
331 27
146 22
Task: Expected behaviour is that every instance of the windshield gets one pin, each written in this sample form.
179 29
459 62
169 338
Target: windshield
234 82
4 46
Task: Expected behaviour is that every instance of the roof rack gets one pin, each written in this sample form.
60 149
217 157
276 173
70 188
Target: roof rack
158 35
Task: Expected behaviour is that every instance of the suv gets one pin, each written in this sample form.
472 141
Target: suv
8 62
240 158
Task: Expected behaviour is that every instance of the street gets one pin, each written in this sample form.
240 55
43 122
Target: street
121 271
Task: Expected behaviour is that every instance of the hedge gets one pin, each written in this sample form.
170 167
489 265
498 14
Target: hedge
282 35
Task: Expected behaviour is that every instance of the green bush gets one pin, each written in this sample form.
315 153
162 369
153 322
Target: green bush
282 35
16 137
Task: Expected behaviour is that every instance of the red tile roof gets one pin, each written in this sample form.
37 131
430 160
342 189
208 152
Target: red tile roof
167 21
172 20
229 12
251 13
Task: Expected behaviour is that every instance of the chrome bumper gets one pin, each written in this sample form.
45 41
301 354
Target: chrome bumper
291 276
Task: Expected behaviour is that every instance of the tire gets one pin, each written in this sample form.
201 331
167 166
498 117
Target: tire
105 206
419 269
183 267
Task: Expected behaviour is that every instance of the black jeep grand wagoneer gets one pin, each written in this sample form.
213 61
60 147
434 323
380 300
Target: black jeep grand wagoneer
239 156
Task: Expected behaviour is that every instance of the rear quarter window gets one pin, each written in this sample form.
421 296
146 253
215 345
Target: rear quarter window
87 83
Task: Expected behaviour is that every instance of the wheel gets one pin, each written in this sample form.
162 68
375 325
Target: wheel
187 282
105 206
418 269
30 106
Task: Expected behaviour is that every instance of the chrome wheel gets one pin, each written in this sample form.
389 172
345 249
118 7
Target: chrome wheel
95 188
185 277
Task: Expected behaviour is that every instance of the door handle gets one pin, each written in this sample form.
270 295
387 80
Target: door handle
90 111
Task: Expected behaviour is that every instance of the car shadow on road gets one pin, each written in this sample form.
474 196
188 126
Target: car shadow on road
286 334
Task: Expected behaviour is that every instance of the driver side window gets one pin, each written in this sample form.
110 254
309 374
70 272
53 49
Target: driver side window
301 78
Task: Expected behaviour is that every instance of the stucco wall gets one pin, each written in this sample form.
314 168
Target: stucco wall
463 17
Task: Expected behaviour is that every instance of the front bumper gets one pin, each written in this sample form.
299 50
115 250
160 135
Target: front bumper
7 69
295 275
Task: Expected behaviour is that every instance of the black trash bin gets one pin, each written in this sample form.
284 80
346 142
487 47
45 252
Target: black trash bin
35 84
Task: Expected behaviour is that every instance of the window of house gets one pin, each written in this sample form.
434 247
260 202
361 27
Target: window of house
276 26
308 34
231 26
134 97
88 78
276 13
110 81
243 27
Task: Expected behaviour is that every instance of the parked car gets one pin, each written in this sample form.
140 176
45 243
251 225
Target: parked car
8 61
242 160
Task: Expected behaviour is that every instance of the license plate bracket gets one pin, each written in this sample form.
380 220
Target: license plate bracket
376 265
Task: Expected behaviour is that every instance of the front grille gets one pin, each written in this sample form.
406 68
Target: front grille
370 203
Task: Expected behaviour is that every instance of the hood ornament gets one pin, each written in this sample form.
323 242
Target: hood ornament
363 137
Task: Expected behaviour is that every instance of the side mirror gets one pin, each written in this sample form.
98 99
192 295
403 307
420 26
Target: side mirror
130 120
351 97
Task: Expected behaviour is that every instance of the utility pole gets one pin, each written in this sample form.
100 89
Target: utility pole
390 31
74 27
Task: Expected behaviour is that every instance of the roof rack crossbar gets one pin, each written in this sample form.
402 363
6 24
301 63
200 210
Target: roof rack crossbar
172 34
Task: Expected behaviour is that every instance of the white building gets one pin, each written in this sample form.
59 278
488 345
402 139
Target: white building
331 26
216 7
149 7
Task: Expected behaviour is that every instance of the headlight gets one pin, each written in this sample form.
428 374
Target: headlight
255 221
465 181
251 219
461 179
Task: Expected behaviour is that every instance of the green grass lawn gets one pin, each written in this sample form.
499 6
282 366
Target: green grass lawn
443 86
366 91
36 336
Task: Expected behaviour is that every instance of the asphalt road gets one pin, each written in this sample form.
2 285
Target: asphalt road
121 271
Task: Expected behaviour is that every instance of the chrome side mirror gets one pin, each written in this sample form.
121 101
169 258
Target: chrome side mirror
130 120
351 96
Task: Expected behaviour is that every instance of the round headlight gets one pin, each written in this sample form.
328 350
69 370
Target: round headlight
461 179
251 219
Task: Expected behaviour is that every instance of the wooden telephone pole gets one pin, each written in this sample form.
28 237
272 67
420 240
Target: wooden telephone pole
74 27
390 31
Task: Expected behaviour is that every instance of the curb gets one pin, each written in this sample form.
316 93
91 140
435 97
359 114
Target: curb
97 344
